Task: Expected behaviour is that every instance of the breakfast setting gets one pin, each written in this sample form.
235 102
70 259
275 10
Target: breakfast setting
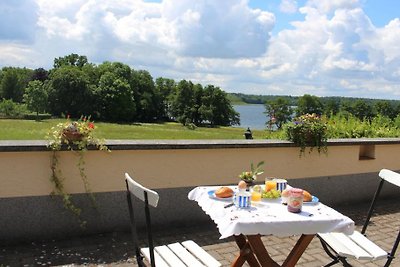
247 211
248 194
269 208
274 189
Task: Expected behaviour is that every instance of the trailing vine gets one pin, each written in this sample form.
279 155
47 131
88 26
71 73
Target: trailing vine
76 136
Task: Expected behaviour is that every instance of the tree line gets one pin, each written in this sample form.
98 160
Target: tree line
114 92
280 110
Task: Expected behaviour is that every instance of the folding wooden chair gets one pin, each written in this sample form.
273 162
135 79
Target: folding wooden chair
357 246
187 253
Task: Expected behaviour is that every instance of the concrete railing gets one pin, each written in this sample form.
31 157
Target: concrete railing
348 173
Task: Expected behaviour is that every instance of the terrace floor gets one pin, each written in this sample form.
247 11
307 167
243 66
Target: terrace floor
115 249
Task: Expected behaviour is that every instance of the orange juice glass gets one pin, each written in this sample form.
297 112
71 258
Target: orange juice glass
256 196
269 184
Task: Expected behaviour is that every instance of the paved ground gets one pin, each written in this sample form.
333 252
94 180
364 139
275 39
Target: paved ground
114 249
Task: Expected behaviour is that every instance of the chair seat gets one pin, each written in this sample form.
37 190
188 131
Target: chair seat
353 246
181 255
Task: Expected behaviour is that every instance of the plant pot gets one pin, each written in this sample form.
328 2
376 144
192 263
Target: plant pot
69 136
249 184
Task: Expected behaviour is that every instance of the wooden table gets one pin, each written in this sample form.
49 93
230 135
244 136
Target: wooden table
247 226
252 248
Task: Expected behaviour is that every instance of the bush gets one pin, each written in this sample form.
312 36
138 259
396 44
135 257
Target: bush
10 109
33 116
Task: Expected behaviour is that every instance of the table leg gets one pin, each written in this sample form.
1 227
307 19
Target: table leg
246 253
298 250
260 251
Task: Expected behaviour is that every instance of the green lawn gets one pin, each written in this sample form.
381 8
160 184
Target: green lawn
37 130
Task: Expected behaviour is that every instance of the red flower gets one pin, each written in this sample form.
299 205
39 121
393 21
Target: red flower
91 125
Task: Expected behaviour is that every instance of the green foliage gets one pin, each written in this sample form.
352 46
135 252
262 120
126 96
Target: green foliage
249 176
16 130
13 83
278 111
38 117
36 97
309 104
349 126
114 96
308 130
40 74
385 108
10 109
70 60
112 91
362 110
166 88
76 136
70 92
147 99
240 98
193 104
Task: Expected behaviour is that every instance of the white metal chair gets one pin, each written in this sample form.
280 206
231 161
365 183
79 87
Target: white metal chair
187 253
357 246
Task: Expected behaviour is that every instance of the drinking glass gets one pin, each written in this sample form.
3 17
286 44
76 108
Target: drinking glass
270 184
256 194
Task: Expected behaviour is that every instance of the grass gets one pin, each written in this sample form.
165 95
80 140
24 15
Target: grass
37 130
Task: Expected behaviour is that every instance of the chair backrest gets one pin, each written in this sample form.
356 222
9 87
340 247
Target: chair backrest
390 176
149 197
139 190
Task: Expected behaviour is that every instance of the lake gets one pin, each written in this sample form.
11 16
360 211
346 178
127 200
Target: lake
252 116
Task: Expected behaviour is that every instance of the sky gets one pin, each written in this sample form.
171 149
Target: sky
345 48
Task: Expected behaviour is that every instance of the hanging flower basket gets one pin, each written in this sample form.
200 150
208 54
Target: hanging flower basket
308 130
76 136
70 136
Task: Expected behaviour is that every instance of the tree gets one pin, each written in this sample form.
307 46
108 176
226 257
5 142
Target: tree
70 92
148 101
278 111
216 108
13 83
183 101
308 104
362 110
166 88
385 108
36 97
40 74
70 60
331 107
115 100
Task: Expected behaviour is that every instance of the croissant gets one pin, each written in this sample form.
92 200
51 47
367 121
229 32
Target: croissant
224 192
306 196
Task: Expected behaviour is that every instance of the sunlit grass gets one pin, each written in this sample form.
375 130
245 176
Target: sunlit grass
34 130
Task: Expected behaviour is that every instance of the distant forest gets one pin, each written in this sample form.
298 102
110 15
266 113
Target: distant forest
240 98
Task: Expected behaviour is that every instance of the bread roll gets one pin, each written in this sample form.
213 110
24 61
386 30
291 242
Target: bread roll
307 196
224 192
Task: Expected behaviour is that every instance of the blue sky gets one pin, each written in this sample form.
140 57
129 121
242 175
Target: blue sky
279 47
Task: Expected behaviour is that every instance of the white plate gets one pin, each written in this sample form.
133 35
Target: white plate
212 195
314 200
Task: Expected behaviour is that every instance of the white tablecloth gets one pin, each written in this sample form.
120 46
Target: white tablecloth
270 217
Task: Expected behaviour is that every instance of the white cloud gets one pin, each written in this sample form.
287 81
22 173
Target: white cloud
288 6
334 50
205 28
328 6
